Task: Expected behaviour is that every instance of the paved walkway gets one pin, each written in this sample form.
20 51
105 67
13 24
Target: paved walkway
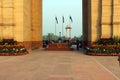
54 65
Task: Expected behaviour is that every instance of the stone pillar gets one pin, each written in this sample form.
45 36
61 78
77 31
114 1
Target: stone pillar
87 21
94 19
36 27
0 20
27 23
116 18
7 19
19 19
106 18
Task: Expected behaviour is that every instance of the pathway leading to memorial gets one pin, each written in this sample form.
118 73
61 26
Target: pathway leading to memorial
56 65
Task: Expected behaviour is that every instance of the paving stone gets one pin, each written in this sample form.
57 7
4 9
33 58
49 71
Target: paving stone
58 65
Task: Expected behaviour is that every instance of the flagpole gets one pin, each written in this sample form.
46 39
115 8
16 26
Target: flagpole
55 28
62 28
56 21
69 20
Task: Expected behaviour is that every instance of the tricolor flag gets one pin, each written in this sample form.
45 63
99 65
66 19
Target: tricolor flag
56 20
71 19
63 19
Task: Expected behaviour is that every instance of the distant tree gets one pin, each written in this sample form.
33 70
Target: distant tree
80 38
50 37
63 37
75 38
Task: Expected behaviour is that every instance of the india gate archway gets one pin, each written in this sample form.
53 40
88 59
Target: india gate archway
22 20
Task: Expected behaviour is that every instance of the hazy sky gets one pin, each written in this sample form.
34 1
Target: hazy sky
59 8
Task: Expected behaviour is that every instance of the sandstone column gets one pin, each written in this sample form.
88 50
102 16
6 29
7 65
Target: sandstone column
36 31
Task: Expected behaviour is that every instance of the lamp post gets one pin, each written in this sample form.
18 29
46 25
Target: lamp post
60 34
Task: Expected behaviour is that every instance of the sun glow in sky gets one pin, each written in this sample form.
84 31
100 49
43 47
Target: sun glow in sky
59 8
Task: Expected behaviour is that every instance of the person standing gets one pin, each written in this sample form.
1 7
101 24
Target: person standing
77 42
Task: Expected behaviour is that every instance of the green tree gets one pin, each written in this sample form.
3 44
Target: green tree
50 37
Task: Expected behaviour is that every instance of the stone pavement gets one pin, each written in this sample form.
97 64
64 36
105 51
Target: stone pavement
57 65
